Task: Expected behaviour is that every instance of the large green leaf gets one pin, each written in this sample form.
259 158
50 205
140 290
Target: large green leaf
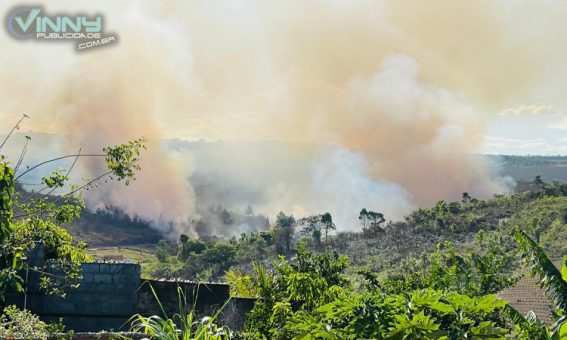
564 269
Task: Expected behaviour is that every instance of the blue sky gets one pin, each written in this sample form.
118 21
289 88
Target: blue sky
527 133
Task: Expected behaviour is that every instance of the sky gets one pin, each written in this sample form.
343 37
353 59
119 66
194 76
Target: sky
236 59
396 97
527 130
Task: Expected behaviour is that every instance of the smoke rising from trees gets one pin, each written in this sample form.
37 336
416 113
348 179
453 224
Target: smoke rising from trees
392 98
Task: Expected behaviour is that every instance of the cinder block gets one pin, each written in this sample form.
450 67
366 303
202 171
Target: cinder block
126 309
62 307
124 278
87 277
102 278
115 268
89 267
103 268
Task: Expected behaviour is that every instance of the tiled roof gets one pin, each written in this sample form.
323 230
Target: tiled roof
527 296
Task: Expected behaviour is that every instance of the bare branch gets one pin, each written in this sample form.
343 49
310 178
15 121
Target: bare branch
58 159
22 154
68 194
17 126
35 194
68 171
84 186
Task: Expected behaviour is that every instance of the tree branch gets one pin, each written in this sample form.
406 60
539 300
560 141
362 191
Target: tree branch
13 129
67 194
57 159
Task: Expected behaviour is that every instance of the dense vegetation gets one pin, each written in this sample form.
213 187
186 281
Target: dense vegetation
433 275
471 226
31 225
311 297
385 281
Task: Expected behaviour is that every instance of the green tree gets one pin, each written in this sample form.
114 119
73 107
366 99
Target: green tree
473 274
161 251
310 298
328 225
371 222
189 247
37 224
301 285
363 217
311 227
283 232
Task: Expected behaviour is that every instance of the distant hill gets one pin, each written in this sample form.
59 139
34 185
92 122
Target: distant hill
526 168
112 228
104 227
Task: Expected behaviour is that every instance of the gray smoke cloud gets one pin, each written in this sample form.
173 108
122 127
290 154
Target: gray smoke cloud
391 98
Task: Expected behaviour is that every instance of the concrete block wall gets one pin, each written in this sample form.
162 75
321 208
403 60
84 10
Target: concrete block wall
106 298
110 293
209 296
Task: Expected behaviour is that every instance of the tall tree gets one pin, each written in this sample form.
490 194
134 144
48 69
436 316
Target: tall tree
372 221
283 231
362 217
328 225
311 226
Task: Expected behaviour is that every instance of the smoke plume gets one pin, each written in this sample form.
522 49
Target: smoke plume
390 97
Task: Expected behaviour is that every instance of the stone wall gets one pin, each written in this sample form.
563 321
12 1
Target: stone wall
106 298
110 293
206 297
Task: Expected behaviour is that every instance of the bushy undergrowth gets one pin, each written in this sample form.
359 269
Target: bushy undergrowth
184 325
22 324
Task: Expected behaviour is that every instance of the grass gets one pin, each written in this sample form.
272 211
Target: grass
142 254
182 326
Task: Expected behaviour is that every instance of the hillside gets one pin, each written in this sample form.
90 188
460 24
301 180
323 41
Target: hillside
522 168
107 229
112 228
104 227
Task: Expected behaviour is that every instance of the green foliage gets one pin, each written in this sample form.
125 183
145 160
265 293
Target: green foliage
283 232
301 285
190 247
22 324
371 222
551 278
182 326
241 285
161 251
473 274
527 327
123 159
36 228
6 193
303 307
313 227
444 293
56 180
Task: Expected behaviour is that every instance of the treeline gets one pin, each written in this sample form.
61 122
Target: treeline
381 245
530 160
